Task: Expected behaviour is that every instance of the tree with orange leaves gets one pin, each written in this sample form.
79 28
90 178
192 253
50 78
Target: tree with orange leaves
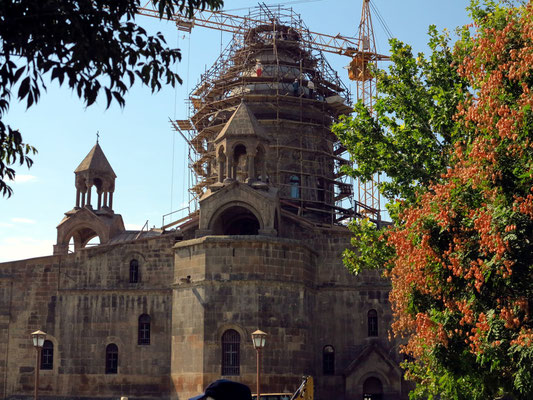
460 256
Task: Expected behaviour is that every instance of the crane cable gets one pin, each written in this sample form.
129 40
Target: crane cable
381 20
173 133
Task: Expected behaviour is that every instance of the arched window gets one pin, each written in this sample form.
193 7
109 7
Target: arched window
372 323
111 359
328 360
295 186
231 343
47 355
144 329
134 271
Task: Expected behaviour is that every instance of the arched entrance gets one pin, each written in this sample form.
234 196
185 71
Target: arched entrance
236 220
372 389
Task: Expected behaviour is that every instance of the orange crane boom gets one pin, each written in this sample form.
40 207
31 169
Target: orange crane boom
236 24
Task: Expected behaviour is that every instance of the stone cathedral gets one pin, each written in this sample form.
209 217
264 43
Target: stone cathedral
162 313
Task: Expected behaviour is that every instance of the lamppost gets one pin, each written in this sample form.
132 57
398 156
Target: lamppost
259 340
38 342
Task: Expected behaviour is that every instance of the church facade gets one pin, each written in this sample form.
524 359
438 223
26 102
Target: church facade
161 313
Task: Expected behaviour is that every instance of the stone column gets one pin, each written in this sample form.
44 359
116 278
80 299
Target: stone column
251 168
264 170
99 200
78 198
110 200
229 168
220 170
83 199
89 190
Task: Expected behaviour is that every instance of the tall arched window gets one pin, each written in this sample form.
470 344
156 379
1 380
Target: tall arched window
47 355
134 271
144 329
372 323
295 186
231 343
111 359
328 360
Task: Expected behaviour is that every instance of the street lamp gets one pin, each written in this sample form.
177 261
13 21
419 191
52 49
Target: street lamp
38 342
259 340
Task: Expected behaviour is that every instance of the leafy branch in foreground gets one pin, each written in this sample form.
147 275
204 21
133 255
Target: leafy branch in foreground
459 254
91 46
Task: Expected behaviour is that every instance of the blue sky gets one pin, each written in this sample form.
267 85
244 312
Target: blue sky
151 163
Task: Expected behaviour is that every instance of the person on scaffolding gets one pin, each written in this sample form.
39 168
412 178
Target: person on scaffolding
295 88
258 68
311 87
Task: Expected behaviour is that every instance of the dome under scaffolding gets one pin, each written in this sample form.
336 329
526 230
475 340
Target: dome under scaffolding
295 95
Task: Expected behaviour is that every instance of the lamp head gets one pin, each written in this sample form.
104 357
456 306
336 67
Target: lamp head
259 339
38 338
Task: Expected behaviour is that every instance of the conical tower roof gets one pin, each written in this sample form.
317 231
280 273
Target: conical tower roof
242 123
95 161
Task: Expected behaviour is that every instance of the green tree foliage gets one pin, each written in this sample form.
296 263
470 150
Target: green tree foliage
459 127
93 46
413 127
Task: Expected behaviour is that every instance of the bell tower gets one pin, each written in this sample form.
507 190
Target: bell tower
93 213
95 171
240 148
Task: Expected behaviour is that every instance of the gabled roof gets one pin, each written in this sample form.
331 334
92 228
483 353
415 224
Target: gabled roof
242 123
95 161
365 357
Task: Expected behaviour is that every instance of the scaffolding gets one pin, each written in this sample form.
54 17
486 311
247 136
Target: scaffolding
269 64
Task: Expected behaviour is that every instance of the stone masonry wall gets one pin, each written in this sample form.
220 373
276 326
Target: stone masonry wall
85 301
342 304
242 283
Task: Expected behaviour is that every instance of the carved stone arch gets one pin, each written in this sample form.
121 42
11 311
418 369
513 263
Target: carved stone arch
134 254
83 232
238 143
98 183
115 339
235 216
374 374
240 330
373 388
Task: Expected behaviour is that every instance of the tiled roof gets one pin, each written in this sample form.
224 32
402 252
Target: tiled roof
95 161
242 123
